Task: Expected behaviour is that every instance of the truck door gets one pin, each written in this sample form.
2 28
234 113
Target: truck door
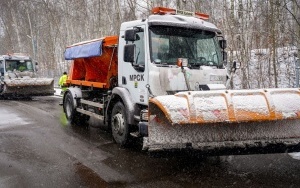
134 75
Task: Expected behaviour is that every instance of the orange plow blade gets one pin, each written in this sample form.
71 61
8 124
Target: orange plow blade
234 121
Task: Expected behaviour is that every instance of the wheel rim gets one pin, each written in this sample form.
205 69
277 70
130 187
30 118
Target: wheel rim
118 124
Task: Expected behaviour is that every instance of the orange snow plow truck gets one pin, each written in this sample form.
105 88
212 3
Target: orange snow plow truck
163 80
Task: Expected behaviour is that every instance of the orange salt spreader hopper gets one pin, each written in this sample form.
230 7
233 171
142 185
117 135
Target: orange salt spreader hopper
97 70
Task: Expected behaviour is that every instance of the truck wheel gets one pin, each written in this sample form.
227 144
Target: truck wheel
119 126
72 115
69 107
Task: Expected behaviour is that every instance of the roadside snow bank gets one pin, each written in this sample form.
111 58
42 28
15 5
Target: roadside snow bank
295 155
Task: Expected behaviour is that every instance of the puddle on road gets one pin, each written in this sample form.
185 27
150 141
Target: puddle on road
91 179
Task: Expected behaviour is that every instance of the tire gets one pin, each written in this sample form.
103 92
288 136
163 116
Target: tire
72 115
119 126
68 105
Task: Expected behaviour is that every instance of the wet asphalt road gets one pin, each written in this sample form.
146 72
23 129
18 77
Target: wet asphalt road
38 148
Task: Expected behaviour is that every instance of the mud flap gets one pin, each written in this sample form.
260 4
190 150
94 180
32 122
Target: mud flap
212 121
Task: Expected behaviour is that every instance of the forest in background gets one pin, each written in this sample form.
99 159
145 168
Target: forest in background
263 35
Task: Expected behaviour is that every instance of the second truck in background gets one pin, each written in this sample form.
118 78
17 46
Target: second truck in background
18 77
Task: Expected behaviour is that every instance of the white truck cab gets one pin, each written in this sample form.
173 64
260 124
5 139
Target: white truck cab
166 53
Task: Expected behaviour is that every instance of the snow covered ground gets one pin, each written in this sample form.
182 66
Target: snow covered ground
57 91
259 72
295 155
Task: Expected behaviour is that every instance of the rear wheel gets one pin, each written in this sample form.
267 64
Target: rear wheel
72 115
119 126
69 107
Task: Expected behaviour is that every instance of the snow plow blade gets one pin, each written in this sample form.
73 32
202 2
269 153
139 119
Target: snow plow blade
28 87
226 122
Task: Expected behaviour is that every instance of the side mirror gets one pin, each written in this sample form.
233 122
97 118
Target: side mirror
36 66
130 35
236 65
129 53
224 54
223 43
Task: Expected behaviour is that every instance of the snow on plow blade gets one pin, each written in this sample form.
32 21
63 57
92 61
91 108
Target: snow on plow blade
29 87
226 122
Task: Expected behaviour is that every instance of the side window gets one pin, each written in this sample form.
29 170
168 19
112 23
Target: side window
140 49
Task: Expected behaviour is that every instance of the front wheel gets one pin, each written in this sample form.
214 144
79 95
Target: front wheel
119 126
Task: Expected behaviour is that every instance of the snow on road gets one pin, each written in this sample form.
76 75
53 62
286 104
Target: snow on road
295 155
11 118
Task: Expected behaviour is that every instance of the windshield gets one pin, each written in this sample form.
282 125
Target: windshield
18 65
198 46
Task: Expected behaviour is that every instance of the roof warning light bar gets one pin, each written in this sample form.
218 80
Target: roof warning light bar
164 11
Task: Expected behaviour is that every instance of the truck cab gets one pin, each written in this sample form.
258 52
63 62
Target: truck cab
165 54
